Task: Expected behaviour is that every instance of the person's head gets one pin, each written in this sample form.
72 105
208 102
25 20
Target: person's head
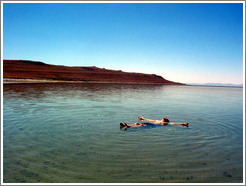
165 119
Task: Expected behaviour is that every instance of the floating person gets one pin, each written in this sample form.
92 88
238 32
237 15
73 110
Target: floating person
163 121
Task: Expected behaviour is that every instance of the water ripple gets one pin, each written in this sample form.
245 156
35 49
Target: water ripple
70 133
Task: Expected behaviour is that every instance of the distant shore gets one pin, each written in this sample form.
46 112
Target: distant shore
38 81
10 81
25 71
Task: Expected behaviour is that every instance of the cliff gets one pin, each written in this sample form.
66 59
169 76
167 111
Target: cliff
23 69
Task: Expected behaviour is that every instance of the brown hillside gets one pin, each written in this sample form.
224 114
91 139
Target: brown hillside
22 69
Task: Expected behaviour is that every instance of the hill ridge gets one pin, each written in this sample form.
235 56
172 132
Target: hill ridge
37 70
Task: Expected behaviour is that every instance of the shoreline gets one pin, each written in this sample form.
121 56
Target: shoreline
9 81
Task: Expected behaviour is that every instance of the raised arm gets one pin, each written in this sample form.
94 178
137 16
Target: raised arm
144 119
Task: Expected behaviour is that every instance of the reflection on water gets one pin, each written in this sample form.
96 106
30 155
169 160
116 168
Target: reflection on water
70 133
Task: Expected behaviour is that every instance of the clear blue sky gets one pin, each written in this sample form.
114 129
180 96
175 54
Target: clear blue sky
183 42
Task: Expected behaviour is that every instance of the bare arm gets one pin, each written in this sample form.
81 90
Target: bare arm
144 119
184 124
175 123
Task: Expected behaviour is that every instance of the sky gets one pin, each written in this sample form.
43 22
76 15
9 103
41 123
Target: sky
182 42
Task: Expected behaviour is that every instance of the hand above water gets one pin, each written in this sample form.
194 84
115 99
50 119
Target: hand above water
140 117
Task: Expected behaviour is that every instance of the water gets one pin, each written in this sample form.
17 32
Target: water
70 133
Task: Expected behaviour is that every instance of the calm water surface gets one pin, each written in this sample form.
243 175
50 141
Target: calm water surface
70 133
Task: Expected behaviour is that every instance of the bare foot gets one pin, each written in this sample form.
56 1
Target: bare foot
122 125
127 125
185 124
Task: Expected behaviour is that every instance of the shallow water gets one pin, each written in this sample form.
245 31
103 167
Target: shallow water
70 133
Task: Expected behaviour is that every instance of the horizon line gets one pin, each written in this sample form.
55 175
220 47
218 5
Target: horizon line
188 83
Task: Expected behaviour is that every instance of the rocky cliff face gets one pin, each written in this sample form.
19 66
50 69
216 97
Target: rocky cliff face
22 69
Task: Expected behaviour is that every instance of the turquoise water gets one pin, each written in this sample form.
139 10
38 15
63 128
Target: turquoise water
70 133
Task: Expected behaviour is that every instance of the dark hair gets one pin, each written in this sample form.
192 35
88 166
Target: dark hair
166 119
